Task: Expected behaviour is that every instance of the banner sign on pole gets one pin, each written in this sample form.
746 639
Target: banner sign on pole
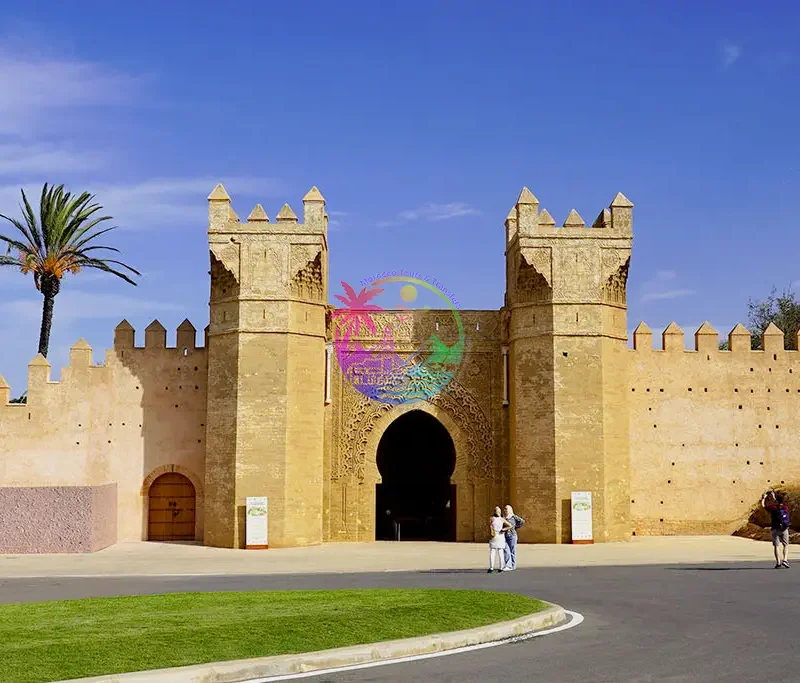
582 517
256 525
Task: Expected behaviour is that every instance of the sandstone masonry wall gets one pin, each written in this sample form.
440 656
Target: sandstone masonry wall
142 410
710 429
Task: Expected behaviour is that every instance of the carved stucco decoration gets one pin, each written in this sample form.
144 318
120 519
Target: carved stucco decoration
267 269
228 255
223 281
541 259
616 263
307 280
363 415
531 285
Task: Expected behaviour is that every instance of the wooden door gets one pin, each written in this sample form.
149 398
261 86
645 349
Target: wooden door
171 511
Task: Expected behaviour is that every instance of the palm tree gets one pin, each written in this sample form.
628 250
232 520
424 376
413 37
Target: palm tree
56 244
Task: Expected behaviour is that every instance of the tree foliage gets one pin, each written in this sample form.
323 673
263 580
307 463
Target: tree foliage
781 309
57 241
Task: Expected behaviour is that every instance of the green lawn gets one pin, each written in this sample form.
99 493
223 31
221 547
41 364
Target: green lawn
49 641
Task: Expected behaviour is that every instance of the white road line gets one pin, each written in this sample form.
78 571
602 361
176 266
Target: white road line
575 620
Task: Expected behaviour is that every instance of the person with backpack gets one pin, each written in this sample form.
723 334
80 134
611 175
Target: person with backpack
779 512
515 522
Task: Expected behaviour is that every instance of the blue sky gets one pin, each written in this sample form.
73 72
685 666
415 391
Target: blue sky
419 122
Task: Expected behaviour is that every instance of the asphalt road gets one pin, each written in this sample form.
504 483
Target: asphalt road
642 624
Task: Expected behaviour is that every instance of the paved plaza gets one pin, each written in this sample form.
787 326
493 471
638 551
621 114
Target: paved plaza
152 559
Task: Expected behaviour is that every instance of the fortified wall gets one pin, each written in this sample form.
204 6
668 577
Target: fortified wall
711 430
547 400
88 447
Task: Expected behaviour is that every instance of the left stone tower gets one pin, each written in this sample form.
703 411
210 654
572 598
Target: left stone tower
266 377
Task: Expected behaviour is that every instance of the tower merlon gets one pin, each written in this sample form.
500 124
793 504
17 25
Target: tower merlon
511 224
286 215
219 208
314 209
706 338
672 338
527 211
642 338
546 220
38 371
155 336
603 220
622 213
258 215
739 339
186 336
80 354
124 335
772 339
574 220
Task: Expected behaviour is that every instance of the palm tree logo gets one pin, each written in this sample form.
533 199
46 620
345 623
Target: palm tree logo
357 309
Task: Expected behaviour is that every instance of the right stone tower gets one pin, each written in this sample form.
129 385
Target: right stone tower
567 337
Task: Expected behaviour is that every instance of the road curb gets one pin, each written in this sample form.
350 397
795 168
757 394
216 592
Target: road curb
282 665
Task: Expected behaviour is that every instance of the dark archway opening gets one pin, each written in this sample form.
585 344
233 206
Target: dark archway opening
416 501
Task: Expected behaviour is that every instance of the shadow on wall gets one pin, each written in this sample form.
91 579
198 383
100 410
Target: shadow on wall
170 389
566 520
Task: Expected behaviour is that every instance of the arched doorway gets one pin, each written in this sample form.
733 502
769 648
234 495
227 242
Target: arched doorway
171 510
415 500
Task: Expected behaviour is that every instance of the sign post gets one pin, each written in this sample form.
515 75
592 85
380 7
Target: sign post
256 525
582 517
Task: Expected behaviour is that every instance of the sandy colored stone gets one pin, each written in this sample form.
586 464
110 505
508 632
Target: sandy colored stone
669 441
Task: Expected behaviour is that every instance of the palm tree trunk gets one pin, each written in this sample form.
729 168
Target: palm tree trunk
49 285
47 323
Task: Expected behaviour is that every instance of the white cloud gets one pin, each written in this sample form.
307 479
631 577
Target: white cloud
158 202
729 54
431 212
669 294
74 305
38 89
18 159
662 286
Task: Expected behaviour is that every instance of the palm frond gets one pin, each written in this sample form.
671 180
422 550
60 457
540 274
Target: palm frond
37 238
77 245
98 264
14 243
22 228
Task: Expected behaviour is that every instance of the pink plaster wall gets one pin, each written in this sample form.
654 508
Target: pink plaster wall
57 519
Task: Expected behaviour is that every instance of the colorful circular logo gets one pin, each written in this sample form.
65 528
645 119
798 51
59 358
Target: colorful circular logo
372 341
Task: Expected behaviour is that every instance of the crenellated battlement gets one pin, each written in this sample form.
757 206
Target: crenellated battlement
155 337
81 368
706 340
525 220
223 219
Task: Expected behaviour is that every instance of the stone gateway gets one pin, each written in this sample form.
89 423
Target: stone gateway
167 443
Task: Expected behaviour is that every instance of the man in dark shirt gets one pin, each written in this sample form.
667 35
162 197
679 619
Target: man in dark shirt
773 503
